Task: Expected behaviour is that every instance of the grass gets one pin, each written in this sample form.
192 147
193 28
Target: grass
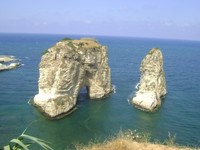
128 140
132 140
24 141
171 139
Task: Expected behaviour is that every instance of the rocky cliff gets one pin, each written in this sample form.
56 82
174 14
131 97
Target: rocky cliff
67 67
152 86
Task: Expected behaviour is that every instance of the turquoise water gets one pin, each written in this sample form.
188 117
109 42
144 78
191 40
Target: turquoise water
179 113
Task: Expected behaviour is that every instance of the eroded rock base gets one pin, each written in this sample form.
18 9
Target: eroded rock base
152 86
67 67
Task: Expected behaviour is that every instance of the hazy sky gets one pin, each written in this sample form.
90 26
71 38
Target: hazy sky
179 19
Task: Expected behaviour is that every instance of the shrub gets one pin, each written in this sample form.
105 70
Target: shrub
65 39
24 141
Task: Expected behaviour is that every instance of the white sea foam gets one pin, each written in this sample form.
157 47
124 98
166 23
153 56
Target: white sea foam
137 86
128 100
131 96
114 88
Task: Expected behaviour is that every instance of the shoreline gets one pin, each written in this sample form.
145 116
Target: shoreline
8 62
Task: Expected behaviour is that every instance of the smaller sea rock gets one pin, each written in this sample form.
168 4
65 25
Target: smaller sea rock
5 58
152 86
8 62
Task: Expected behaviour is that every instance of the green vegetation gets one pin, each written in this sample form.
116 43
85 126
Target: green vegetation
24 141
81 44
65 39
70 44
127 140
171 140
46 51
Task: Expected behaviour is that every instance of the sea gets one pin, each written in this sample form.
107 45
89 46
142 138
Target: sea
97 120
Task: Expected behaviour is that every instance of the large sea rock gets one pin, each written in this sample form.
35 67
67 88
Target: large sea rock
152 86
8 62
67 67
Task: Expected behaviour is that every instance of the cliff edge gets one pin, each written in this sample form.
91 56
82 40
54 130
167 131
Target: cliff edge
67 67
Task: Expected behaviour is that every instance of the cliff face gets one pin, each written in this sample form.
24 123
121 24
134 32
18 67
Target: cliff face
67 67
152 86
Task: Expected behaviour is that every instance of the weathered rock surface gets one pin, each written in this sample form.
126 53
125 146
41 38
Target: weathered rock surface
67 67
8 62
152 86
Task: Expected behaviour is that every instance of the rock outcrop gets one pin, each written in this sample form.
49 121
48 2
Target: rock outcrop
67 67
152 86
8 62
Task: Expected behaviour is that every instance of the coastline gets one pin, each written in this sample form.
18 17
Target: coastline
99 119
132 140
8 62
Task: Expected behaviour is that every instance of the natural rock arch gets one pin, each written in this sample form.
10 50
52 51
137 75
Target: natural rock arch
67 67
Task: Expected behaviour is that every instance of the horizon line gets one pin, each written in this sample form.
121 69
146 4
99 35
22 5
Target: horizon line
98 35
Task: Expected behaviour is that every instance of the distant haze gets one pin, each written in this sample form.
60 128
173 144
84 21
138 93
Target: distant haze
171 19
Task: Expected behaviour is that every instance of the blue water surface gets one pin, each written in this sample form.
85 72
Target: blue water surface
179 113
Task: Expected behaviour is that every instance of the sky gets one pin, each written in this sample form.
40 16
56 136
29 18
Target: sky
169 19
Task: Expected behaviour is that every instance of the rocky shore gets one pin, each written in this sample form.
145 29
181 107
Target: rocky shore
8 62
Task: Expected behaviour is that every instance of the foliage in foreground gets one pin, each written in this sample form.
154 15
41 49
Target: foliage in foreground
24 141
131 140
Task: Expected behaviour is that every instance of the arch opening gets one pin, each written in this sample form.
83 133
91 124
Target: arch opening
83 94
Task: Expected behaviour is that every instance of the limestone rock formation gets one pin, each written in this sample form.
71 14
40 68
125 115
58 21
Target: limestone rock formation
8 62
152 86
67 67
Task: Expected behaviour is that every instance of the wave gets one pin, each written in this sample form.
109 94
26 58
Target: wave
137 86
114 88
130 97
